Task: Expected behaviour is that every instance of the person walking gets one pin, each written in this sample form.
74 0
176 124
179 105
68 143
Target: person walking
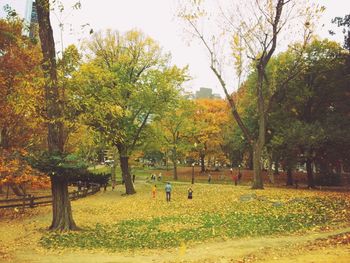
168 191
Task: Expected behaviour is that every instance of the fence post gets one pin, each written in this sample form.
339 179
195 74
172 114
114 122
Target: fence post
31 201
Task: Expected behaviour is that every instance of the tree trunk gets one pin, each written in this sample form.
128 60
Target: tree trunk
114 168
250 159
260 143
270 172
275 172
257 177
310 176
124 166
202 158
174 159
4 143
62 218
62 213
289 176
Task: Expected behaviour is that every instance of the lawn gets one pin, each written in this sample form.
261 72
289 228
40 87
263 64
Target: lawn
217 212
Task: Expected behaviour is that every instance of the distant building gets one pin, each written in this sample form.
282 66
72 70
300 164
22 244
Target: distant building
31 18
206 93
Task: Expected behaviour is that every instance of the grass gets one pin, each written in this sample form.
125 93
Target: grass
217 211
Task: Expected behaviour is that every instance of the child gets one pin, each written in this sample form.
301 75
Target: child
154 190
190 193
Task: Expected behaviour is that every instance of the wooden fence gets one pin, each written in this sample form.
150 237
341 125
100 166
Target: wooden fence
32 201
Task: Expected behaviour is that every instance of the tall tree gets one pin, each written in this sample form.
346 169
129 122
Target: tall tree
126 82
62 218
259 28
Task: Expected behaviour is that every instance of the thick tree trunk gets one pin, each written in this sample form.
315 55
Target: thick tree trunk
62 213
289 176
62 218
124 166
202 159
310 176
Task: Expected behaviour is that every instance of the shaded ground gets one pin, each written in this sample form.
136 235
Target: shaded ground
20 233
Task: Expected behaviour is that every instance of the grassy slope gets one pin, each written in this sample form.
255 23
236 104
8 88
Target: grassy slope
118 222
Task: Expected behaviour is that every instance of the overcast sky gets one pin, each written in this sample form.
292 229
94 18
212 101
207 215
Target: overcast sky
157 19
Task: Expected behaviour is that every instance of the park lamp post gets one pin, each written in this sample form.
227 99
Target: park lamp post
192 173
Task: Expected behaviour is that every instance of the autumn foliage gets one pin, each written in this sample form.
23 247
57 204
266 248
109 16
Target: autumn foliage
20 103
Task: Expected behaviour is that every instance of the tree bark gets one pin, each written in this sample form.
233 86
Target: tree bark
202 159
62 218
174 159
270 171
310 176
260 142
61 207
124 166
275 172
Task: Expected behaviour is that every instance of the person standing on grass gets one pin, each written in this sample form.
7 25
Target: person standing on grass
209 178
154 191
168 191
190 192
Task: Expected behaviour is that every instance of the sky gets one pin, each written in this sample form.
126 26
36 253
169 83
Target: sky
156 18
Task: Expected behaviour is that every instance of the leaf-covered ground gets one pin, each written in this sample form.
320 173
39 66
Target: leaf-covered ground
217 212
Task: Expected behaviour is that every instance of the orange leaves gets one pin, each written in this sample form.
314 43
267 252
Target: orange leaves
20 74
14 170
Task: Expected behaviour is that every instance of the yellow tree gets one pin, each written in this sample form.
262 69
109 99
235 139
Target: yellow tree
209 117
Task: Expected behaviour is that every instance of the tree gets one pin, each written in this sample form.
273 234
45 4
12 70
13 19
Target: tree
209 117
62 218
175 126
126 82
20 100
345 23
258 28
307 115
